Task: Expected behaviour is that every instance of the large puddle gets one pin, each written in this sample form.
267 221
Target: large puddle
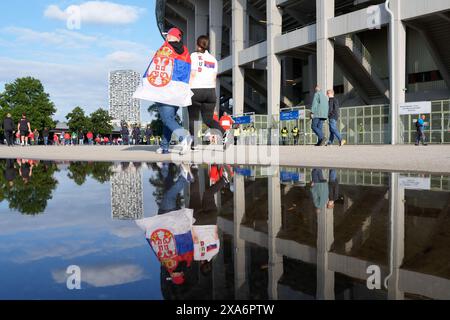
259 232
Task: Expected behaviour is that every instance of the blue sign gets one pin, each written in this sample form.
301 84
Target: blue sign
289 115
246 172
286 176
243 120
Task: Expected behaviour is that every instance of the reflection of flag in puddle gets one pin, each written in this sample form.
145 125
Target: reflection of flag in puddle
170 237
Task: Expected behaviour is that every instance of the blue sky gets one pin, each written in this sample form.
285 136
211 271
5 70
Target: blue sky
73 60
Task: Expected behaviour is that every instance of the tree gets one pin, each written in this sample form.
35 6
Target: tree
77 120
27 95
156 124
101 122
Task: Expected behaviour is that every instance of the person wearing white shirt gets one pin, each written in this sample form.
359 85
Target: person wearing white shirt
203 81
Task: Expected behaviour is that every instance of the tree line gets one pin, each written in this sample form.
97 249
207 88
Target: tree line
27 95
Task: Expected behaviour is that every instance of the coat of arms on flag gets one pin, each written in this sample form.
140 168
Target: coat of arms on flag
166 80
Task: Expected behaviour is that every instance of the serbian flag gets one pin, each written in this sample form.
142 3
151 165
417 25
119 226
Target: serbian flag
167 78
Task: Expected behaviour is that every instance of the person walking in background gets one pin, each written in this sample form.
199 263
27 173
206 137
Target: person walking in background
45 134
81 138
36 136
148 134
125 134
18 138
67 139
74 138
8 127
203 81
62 139
226 121
55 139
420 127
90 137
31 138
319 113
333 117
170 89
25 129
136 134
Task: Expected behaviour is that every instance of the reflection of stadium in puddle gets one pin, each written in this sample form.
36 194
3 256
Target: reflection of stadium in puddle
280 236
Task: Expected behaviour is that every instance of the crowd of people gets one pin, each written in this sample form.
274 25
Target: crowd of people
23 135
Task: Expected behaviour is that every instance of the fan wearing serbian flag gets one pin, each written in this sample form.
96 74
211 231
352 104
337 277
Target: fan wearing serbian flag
166 82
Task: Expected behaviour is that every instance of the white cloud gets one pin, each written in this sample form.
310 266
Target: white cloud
59 38
97 12
123 57
105 276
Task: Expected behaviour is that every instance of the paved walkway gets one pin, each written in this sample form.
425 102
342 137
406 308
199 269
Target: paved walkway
433 158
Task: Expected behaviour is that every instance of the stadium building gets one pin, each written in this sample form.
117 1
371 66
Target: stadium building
272 53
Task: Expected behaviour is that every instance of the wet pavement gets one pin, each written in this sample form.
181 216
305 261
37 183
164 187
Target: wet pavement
257 232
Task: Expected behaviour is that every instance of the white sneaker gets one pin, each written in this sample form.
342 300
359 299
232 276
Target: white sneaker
186 145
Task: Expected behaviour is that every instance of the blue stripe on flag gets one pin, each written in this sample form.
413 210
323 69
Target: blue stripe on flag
181 71
184 243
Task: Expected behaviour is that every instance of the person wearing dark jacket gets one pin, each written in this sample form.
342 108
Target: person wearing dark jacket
8 127
148 134
125 134
136 133
333 117
45 134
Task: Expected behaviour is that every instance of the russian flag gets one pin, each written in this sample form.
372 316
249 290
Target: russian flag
166 80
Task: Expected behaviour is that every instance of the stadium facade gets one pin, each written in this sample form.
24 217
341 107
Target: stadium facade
273 52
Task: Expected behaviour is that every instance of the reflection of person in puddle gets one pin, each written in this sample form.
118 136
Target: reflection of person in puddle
319 189
10 172
179 271
333 189
26 169
173 189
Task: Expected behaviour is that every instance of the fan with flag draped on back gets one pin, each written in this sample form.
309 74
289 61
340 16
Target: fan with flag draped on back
167 78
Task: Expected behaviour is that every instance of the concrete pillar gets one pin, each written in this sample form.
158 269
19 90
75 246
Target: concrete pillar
274 28
275 221
215 37
190 35
397 237
312 76
239 244
237 44
398 68
325 48
201 17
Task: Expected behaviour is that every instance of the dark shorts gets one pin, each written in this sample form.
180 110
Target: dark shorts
23 133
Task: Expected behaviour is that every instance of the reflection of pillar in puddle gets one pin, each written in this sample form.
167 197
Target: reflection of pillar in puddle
218 272
325 238
275 259
397 237
239 244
